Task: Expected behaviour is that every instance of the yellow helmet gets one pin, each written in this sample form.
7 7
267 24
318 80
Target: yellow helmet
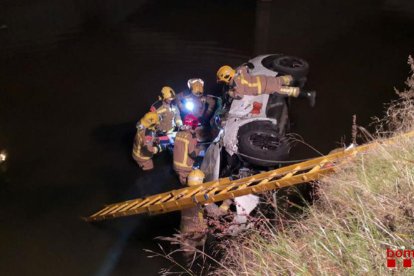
225 74
196 86
150 120
167 93
195 177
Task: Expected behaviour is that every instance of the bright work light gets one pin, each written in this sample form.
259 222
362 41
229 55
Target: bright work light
189 105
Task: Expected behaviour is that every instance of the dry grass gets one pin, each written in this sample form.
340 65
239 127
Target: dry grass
366 207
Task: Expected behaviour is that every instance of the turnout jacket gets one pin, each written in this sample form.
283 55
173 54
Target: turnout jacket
169 116
144 141
245 84
192 220
185 150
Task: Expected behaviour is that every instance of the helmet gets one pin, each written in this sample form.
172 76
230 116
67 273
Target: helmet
195 177
225 74
150 120
196 86
167 93
191 121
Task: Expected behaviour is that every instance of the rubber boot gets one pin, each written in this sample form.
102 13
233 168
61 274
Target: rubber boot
310 95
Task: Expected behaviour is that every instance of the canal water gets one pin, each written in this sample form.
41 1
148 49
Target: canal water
75 76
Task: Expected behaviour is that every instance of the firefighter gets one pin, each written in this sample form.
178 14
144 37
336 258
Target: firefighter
168 115
185 148
242 83
193 226
193 101
167 111
145 145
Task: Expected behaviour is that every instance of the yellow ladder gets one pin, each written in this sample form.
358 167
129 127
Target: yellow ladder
225 188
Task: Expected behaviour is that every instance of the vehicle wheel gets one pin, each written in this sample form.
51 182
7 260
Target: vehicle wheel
260 144
289 65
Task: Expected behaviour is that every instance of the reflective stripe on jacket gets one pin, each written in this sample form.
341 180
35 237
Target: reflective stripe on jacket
144 144
185 150
245 84
192 220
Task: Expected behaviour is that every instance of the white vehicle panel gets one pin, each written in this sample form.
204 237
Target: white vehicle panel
259 69
243 108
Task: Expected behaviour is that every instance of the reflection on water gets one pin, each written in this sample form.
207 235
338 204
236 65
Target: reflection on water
76 75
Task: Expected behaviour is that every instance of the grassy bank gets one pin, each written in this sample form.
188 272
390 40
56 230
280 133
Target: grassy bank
363 209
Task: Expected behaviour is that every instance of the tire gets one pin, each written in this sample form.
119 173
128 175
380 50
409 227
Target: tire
289 65
267 62
260 144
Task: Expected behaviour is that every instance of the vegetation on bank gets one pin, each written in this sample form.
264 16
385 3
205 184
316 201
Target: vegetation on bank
363 209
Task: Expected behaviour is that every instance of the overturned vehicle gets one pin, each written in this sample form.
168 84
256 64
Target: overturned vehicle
254 133
254 130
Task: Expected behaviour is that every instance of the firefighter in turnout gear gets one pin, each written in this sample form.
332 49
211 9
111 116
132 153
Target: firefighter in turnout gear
185 148
195 102
167 111
193 226
145 145
168 114
242 83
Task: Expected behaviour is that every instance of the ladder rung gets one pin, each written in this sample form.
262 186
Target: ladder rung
112 207
131 205
101 211
152 201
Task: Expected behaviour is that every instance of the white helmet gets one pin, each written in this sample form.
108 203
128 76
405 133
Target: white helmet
196 86
191 81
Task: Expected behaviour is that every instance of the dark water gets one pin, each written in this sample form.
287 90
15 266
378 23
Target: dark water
76 75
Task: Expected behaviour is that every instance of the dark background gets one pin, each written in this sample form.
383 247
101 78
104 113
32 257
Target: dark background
76 75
